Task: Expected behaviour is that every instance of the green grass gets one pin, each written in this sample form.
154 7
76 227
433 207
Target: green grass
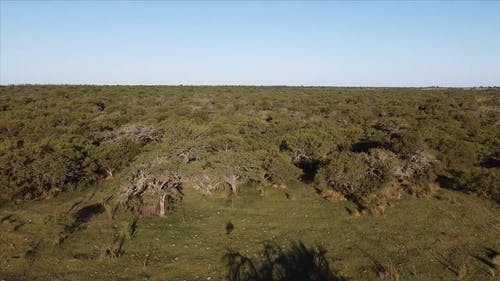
440 238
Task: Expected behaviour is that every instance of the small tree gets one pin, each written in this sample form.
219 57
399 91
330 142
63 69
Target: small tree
277 167
236 168
308 149
166 186
189 142
113 157
50 171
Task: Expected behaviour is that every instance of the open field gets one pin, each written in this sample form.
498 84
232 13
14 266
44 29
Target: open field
447 237
249 183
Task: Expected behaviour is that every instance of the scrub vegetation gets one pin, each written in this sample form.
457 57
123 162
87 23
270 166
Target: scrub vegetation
249 183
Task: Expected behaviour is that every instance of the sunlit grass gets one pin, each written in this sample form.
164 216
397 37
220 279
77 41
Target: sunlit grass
422 239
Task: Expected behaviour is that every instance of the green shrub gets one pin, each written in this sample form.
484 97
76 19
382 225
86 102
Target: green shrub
357 175
481 181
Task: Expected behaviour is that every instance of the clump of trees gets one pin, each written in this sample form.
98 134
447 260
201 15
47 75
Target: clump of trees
43 169
357 176
365 144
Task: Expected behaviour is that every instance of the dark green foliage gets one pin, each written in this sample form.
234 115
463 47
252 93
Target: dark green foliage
31 172
358 175
113 157
481 181
357 141
278 167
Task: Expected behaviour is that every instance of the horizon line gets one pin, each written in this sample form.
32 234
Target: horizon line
239 85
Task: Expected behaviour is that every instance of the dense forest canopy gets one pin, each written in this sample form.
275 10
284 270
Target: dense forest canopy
366 145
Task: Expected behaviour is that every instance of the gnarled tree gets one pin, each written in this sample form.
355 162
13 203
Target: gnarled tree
235 168
165 186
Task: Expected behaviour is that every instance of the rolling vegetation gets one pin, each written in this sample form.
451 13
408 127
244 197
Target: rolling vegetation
249 183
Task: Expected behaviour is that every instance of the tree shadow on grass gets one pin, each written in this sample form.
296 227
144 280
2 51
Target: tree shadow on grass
297 263
81 217
486 257
86 213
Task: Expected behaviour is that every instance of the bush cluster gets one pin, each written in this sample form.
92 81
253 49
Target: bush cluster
363 143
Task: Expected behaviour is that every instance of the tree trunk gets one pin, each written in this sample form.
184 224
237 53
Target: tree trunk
161 212
232 180
234 189
109 171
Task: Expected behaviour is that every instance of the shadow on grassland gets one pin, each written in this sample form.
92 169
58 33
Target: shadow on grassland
295 263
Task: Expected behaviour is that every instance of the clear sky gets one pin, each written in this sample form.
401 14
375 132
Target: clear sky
251 43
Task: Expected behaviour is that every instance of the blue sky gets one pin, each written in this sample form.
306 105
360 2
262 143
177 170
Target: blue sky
250 43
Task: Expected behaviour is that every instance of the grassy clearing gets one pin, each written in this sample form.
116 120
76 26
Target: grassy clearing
448 237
